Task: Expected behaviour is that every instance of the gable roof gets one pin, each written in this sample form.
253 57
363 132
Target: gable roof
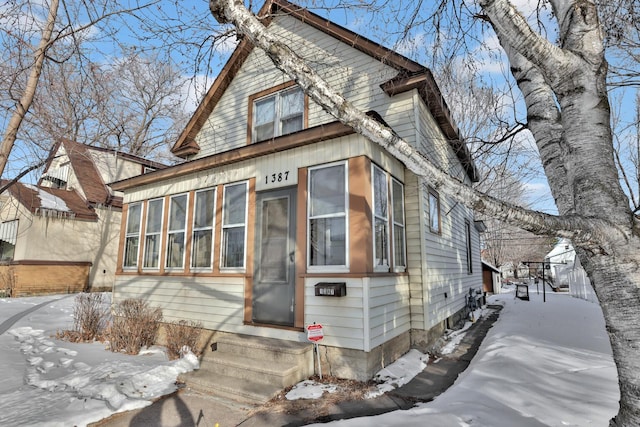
47 201
411 75
94 188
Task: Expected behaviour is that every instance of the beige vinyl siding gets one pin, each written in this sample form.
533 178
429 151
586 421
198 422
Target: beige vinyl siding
290 160
374 311
342 318
345 68
216 302
414 226
445 266
389 310
435 147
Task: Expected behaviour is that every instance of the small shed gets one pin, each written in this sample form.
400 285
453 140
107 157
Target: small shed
491 281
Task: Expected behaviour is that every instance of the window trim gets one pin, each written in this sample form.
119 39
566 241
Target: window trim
169 232
242 268
271 92
398 268
433 193
128 235
158 233
212 228
329 268
386 219
467 232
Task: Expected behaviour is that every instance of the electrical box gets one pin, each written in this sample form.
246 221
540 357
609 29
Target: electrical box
326 289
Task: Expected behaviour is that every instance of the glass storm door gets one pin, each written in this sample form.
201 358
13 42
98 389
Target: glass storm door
274 278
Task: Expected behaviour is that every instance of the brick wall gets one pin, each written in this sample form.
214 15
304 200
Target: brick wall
24 278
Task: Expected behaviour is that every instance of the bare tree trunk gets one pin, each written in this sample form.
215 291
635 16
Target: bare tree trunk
575 145
25 101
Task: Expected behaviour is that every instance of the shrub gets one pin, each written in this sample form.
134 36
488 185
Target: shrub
90 315
90 318
135 325
182 334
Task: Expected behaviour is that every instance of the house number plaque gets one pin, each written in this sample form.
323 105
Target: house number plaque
269 178
276 177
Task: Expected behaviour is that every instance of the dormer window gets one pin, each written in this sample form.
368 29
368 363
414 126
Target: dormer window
278 114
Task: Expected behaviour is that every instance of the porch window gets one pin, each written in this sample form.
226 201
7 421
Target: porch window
8 238
380 219
397 214
176 231
132 236
153 234
278 114
434 212
327 216
234 221
203 220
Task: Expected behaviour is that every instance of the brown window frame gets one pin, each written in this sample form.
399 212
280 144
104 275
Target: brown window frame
267 92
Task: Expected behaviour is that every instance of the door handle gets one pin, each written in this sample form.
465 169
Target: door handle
292 256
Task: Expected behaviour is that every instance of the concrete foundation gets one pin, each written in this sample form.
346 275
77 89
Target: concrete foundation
360 365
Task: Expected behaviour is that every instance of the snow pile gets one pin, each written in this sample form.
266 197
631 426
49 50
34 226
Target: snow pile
399 372
310 390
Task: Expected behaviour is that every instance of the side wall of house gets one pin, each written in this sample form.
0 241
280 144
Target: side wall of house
437 262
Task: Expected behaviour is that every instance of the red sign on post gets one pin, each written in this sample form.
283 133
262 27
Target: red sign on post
314 332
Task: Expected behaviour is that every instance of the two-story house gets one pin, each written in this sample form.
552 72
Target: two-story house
283 217
62 234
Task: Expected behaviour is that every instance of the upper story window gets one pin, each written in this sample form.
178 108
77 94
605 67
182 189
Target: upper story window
327 217
278 114
132 236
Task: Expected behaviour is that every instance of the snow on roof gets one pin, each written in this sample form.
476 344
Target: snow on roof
48 200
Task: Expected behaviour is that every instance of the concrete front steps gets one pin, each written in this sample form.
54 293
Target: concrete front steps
250 369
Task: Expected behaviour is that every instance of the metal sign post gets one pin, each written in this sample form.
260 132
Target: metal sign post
315 334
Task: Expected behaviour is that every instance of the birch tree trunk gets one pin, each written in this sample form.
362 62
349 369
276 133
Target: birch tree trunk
26 99
568 114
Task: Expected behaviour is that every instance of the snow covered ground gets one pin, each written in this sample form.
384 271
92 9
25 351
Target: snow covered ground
47 382
542 364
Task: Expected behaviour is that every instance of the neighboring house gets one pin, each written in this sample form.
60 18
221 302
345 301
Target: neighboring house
559 264
283 217
508 271
579 284
565 271
61 235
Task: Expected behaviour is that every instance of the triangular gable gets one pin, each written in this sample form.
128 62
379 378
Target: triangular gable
47 201
89 178
411 75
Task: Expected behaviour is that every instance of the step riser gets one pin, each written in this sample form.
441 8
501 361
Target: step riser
251 369
283 379
211 388
263 354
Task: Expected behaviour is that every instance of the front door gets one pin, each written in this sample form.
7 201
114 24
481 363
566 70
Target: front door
274 276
